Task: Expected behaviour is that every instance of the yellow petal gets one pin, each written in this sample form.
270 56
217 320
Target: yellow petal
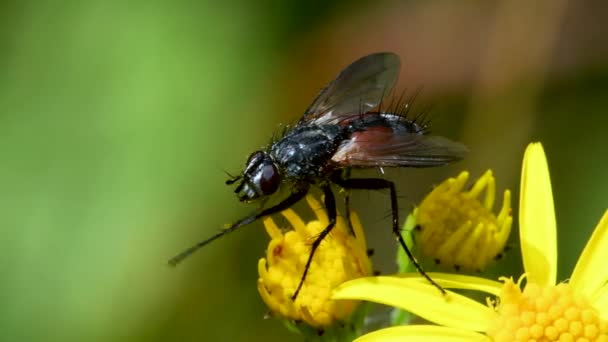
358 230
271 228
537 227
452 310
590 272
318 208
422 333
600 301
459 281
294 220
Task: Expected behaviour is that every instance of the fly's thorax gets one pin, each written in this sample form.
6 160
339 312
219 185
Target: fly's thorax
305 151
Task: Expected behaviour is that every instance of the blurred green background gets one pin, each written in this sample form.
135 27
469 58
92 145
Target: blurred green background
118 119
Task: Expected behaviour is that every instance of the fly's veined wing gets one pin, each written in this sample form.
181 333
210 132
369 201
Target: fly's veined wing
380 146
357 89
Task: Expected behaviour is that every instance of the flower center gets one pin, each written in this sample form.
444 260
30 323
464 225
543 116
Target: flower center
550 313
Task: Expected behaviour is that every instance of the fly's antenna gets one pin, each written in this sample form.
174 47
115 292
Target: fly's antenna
231 179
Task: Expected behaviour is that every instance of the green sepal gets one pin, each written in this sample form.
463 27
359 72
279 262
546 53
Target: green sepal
338 332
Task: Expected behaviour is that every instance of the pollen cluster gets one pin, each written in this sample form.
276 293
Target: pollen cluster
551 313
457 228
340 257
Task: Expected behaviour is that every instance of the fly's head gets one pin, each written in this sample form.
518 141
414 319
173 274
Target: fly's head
259 179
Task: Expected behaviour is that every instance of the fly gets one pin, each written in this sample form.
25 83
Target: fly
344 128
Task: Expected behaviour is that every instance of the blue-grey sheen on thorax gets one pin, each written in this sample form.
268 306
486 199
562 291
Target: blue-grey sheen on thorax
302 151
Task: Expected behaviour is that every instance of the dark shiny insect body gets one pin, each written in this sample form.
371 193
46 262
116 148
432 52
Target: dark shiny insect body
338 132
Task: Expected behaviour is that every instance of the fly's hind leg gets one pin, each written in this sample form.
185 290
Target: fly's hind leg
349 222
379 184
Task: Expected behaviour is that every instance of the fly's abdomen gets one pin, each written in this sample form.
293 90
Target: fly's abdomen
395 122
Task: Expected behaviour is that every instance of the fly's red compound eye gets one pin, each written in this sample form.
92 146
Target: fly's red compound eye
269 180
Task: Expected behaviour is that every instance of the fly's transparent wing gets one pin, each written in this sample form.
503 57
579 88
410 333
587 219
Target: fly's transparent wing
357 89
381 146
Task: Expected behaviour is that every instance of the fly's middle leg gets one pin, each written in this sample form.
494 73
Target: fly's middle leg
330 205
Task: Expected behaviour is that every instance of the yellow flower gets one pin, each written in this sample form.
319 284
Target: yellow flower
456 228
543 311
340 257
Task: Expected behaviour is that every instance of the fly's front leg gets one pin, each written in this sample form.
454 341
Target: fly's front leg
330 205
379 184
285 204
